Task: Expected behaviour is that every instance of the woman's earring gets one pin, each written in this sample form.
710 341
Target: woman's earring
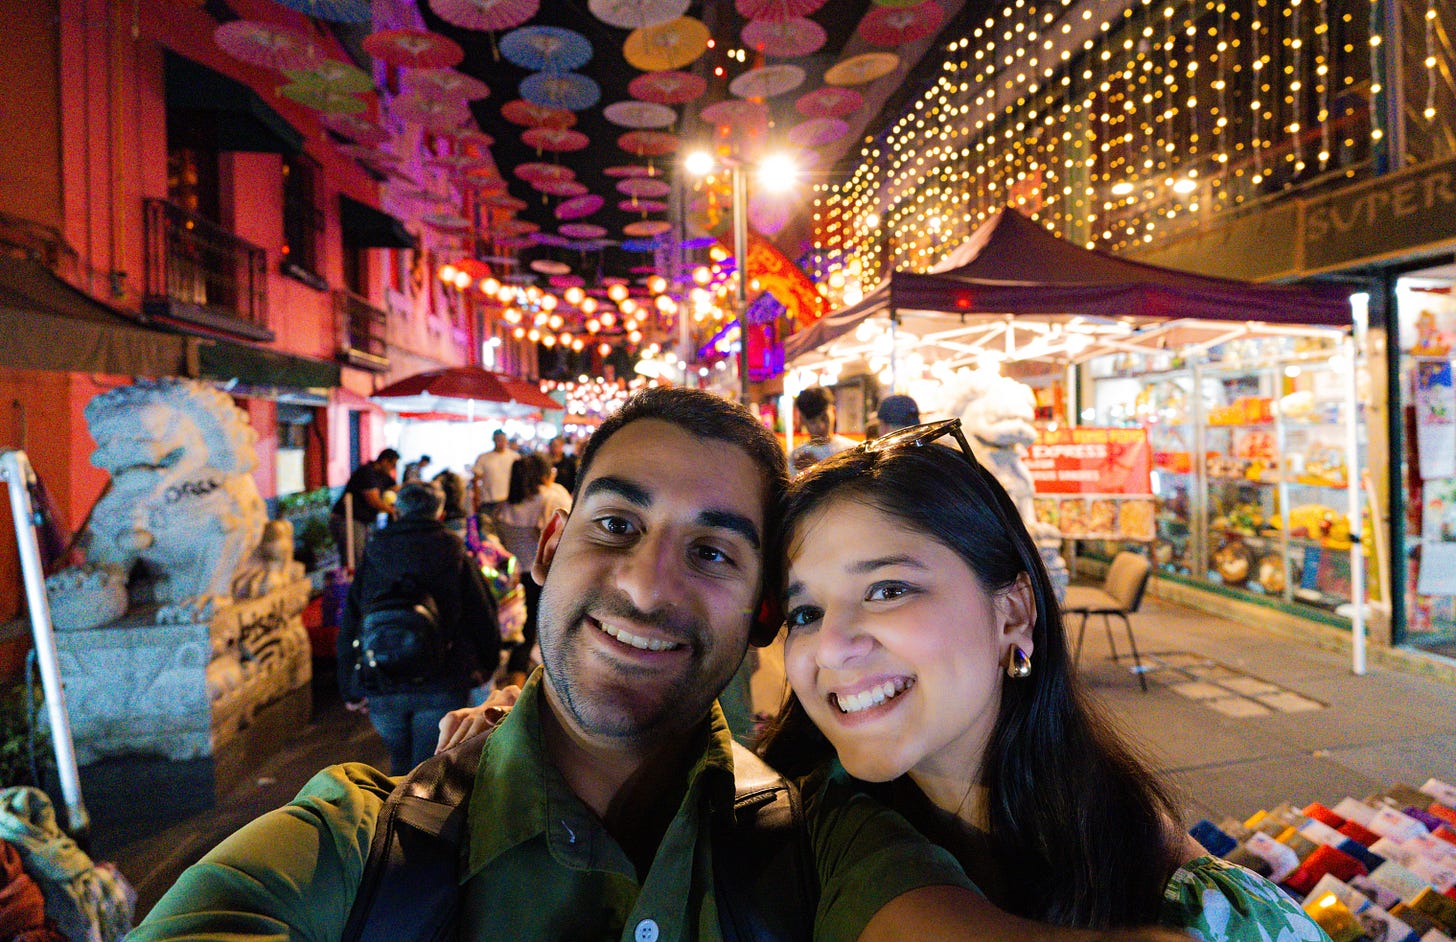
1018 663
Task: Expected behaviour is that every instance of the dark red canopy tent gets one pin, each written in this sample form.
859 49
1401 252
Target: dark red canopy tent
1014 266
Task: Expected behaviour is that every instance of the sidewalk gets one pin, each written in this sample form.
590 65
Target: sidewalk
1239 718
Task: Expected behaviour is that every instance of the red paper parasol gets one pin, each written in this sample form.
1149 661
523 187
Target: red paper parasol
642 206
572 188
776 11
816 132
503 201
414 49
533 115
432 113
470 136
557 140
646 228
767 81
566 281
744 117
489 15
630 170
648 143
644 187
578 207
357 129
536 170
639 114
667 88
445 83
669 45
865 67
582 230
634 14
272 47
798 36
829 102
889 26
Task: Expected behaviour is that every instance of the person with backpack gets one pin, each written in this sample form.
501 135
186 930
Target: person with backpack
418 630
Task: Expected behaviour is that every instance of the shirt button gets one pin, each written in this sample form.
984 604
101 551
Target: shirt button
646 931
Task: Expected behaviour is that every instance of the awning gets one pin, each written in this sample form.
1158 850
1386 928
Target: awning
257 366
365 227
240 119
49 325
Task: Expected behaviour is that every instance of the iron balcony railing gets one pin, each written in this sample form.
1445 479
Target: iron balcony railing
361 332
201 274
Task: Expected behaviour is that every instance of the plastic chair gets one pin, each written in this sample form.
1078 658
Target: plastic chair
1121 594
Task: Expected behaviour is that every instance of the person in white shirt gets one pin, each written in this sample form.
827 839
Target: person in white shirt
815 407
492 472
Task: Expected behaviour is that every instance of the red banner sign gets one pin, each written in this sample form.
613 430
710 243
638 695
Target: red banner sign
1110 461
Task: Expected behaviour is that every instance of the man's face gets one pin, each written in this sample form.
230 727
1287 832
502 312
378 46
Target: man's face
653 582
500 441
557 449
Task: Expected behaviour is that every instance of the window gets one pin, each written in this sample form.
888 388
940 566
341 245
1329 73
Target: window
192 177
302 221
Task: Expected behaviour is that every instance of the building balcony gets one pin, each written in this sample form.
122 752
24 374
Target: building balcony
361 332
199 275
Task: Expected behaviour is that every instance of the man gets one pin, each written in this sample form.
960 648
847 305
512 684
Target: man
815 408
590 809
415 470
897 412
369 484
493 472
416 553
564 464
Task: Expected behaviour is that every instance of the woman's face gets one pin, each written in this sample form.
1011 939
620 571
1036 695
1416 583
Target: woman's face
894 648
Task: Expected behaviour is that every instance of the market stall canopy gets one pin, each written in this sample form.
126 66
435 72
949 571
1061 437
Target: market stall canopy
1013 266
467 391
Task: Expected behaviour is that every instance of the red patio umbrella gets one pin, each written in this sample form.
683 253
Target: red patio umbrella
463 390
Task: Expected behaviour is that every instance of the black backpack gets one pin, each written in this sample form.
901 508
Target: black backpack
401 642
409 892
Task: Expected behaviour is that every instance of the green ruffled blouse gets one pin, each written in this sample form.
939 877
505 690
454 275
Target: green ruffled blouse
1218 901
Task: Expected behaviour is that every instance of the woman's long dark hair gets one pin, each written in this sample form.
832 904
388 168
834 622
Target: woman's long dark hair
1078 824
527 475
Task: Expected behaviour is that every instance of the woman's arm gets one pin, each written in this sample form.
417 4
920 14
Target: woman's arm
953 913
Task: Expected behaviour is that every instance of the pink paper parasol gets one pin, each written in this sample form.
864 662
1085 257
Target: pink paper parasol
816 132
829 102
566 281
865 67
790 38
432 113
776 11
579 207
648 143
557 140
549 266
267 45
890 26
414 49
570 188
503 201
646 228
358 129
487 15
449 222
537 170
767 81
445 83
642 206
667 88
643 187
634 14
744 117
639 114
582 230
631 170
533 115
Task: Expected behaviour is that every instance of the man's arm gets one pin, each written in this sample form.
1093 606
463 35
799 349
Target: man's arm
951 912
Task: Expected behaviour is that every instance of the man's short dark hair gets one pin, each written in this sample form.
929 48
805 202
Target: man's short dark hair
424 459
419 500
706 415
897 411
388 455
813 402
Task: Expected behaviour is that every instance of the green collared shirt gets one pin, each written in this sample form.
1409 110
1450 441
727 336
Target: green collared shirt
538 864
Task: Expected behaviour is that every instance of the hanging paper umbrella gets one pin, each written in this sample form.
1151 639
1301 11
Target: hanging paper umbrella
460 162
485 14
504 201
776 11
790 38
431 113
816 132
698 242
572 188
890 26
642 245
583 230
445 83
634 14
333 75
473 137
897 3
335 11
648 143
415 194
515 227
549 266
533 115
743 117
767 81
566 281
550 239
669 45
647 227
644 187
357 129
414 49
579 206
642 206
537 170
318 97
862 68
569 90
546 48
630 170
667 88
829 102
484 188
639 114
557 140
445 221
267 45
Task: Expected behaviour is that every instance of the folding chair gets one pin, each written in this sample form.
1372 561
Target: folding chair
1121 594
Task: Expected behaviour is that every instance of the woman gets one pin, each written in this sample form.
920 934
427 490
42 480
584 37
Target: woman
534 496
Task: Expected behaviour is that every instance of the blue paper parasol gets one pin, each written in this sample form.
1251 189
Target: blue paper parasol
335 11
644 245
546 48
568 90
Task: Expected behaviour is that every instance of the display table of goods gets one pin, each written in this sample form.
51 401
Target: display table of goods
1382 869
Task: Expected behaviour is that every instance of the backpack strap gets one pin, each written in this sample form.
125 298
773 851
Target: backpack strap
410 886
766 883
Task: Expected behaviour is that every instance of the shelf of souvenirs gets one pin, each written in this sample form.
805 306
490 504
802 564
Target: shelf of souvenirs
1273 536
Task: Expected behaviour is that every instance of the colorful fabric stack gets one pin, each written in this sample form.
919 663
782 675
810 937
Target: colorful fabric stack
1382 869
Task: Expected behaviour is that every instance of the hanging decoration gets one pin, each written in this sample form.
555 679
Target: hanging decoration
264 44
432 114
321 98
579 207
445 83
639 114
669 45
555 140
546 49
334 76
668 87
570 90
414 49
776 11
635 14
829 102
644 187
485 15
530 114
862 68
648 143
791 38
767 81
900 26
